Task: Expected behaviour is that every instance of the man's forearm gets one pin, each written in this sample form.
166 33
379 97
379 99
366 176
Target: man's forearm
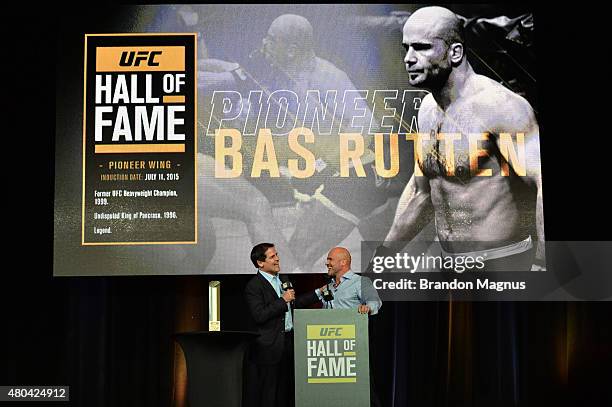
374 307
306 299
409 220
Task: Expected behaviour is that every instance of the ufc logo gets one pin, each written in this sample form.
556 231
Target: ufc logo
331 332
133 58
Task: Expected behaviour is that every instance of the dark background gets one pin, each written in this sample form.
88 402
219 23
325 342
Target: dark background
109 338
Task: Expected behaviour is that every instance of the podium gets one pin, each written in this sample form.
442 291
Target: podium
331 358
214 366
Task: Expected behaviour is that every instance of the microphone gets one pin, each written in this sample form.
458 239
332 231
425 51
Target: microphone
287 285
327 293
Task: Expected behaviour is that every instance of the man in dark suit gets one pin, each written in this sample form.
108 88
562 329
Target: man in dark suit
271 375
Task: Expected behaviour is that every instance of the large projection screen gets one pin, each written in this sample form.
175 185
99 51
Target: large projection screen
301 130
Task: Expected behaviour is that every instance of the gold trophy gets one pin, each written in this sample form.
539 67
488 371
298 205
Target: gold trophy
214 306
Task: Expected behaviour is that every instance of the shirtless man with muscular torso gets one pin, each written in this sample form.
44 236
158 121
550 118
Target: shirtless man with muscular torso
481 197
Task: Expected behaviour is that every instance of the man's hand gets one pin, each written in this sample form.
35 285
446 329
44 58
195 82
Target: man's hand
363 309
289 295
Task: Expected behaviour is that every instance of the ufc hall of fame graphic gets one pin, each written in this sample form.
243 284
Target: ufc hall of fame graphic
139 139
303 126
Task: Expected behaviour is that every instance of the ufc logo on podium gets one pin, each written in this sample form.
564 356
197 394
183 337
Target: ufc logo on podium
132 58
331 331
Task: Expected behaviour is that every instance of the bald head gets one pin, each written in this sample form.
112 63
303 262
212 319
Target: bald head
288 43
341 253
338 262
436 22
292 30
433 39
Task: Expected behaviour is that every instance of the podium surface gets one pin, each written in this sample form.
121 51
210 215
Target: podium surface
331 358
214 366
